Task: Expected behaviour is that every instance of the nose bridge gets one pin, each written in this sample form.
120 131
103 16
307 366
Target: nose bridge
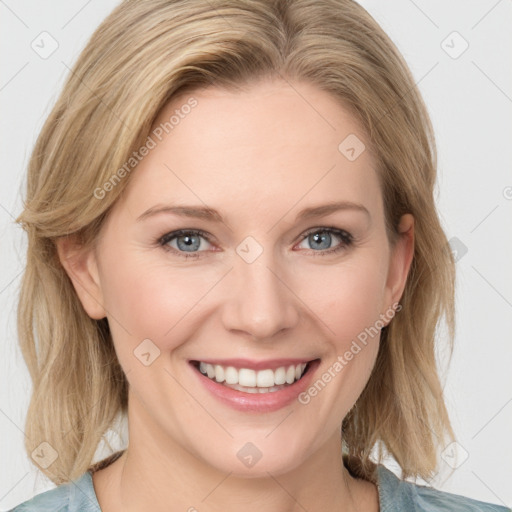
260 303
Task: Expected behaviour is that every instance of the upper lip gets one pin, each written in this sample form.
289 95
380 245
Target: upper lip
271 364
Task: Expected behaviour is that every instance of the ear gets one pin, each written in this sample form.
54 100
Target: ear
80 264
400 261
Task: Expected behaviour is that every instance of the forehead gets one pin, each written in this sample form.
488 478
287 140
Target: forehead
270 146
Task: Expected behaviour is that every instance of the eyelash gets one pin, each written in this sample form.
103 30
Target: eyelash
346 237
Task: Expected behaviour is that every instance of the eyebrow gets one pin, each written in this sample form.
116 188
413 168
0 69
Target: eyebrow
210 214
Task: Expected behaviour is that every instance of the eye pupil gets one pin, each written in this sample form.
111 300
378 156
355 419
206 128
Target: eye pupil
189 242
319 238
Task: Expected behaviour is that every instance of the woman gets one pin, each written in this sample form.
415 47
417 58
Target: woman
233 241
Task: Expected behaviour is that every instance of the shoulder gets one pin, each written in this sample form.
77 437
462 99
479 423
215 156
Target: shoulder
76 496
399 495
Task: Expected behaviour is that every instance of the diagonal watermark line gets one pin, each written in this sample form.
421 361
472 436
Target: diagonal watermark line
99 303
424 13
86 495
21 430
493 287
301 300
99 401
492 81
404 405
300 199
7 211
167 167
497 497
286 491
199 403
492 418
95 95
492 211
220 14
281 422
10 490
299 94
486 14
76 14
200 299
10 282
14 76
13 13
409 91
217 486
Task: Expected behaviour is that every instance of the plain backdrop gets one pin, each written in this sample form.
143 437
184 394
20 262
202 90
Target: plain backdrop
460 55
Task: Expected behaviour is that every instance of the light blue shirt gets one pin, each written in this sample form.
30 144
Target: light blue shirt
395 495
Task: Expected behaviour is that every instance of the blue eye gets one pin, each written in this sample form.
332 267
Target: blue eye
321 238
189 241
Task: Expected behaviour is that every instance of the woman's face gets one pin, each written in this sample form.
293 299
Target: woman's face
272 276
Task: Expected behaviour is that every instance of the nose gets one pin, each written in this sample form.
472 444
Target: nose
260 301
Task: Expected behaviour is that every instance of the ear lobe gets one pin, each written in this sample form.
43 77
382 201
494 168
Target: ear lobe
401 258
80 264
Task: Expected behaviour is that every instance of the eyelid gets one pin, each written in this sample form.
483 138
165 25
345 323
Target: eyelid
335 230
346 237
164 240
347 240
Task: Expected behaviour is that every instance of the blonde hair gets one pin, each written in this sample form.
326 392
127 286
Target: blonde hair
141 56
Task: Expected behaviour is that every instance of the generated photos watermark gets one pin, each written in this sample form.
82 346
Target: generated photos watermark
342 360
152 141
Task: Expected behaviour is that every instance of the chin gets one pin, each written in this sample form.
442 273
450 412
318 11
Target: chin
256 460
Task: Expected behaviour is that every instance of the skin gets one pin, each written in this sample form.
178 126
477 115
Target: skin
258 157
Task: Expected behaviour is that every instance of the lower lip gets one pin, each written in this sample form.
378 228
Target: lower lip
258 402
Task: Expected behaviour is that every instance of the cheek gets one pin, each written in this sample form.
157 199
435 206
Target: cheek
148 299
348 297
347 300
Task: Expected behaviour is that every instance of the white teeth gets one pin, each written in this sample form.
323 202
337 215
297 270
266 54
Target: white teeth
210 370
231 375
290 375
253 381
255 390
280 376
247 377
219 373
265 379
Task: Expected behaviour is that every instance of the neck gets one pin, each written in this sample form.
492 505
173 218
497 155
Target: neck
157 473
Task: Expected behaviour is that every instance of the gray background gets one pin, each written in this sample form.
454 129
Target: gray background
469 96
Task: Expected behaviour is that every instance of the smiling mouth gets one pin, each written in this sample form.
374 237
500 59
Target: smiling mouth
248 380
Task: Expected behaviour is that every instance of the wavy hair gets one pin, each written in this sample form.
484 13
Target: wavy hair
140 57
